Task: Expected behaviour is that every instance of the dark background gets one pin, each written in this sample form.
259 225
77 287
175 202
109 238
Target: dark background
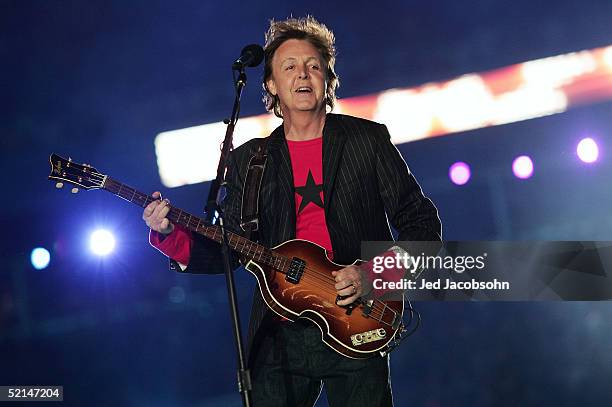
97 80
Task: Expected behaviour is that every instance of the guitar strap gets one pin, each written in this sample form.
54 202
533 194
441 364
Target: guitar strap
249 211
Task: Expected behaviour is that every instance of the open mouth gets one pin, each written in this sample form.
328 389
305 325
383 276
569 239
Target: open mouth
304 89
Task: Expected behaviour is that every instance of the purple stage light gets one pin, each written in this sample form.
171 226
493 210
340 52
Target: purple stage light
459 173
587 150
522 167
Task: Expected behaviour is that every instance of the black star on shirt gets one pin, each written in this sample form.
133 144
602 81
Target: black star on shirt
310 193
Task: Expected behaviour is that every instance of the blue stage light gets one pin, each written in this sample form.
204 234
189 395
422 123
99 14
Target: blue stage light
40 258
102 242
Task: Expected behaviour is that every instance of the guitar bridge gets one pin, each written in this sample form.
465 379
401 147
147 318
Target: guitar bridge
369 336
295 271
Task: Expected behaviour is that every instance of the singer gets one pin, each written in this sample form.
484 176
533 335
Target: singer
331 179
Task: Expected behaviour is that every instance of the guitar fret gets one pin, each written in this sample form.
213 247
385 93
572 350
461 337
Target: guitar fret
382 314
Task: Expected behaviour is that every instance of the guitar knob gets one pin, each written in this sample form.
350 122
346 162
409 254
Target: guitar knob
74 190
59 185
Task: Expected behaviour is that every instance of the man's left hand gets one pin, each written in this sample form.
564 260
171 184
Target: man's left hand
351 281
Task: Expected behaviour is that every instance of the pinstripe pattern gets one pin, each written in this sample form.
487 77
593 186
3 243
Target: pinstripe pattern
365 182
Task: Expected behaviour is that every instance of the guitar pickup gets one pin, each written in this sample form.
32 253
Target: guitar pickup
349 307
295 271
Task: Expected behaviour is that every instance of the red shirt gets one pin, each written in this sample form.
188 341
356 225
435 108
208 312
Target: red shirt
307 165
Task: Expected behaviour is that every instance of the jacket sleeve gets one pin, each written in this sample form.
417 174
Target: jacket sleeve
205 255
412 214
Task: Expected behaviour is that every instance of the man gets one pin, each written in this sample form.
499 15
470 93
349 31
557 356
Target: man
330 179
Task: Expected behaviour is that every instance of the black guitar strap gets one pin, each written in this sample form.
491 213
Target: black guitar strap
249 211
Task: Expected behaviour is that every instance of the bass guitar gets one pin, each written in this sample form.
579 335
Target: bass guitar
294 277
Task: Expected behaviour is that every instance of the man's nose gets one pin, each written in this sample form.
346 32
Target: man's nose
303 71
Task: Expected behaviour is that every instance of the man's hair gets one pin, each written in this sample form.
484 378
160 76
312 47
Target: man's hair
305 28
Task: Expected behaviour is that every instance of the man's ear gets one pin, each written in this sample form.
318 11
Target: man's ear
271 86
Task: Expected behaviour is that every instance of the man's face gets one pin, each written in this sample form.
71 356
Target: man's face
298 77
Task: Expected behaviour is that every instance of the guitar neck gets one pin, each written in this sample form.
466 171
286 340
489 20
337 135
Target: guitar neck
195 224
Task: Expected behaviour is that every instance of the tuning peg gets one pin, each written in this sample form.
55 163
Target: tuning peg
59 185
74 190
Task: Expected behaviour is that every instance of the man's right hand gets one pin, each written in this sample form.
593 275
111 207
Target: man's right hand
155 213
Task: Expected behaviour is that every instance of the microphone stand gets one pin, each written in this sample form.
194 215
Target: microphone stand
213 205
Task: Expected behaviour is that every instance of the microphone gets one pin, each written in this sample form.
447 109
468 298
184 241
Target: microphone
250 56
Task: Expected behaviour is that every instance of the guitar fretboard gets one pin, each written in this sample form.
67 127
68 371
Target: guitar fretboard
245 247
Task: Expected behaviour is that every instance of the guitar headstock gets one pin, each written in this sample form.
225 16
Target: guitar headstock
80 175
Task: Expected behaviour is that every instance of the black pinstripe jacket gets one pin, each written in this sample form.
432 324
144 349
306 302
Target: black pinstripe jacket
365 182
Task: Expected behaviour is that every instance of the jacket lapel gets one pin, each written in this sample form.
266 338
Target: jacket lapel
334 137
283 199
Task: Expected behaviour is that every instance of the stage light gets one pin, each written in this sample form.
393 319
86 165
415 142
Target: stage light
607 56
464 103
407 113
40 258
102 242
522 167
587 150
459 173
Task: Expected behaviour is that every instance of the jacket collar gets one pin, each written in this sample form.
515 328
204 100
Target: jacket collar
334 138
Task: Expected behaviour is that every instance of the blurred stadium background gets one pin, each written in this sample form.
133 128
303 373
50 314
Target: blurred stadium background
98 81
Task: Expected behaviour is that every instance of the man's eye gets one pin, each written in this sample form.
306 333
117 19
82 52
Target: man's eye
316 67
289 67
